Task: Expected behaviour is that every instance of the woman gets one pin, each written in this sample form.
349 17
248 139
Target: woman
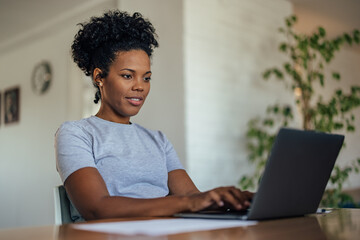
112 167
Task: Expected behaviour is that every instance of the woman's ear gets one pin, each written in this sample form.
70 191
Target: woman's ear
98 80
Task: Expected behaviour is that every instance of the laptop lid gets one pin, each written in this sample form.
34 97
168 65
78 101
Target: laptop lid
296 174
295 177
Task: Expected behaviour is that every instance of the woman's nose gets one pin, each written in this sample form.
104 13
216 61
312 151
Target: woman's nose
138 85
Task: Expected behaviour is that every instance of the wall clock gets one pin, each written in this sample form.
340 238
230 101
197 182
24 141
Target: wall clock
41 77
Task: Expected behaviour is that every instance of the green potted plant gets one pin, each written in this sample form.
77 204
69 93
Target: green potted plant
307 59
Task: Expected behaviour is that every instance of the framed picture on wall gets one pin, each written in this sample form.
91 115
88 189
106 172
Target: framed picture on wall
12 105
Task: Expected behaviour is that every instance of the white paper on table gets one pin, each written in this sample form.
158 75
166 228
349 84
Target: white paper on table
160 227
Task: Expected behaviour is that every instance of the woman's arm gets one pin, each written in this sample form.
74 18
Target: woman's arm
180 184
87 190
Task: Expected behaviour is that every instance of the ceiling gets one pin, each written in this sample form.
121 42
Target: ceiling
19 16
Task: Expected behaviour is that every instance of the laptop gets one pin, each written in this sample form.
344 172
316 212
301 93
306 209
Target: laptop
296 174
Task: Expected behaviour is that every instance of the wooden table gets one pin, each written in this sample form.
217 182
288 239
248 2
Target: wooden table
339 224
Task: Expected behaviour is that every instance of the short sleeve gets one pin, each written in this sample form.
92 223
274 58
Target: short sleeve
172 159
73 148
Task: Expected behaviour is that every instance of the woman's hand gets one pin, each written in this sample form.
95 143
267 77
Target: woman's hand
225 198
221 198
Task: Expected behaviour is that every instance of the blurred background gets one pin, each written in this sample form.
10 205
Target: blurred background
206 85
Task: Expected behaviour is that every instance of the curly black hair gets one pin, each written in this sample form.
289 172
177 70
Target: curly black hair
98 41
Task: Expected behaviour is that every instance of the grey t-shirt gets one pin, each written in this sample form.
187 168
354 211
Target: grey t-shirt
133 161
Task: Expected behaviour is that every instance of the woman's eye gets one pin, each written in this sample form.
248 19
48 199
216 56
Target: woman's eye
126 76
147 79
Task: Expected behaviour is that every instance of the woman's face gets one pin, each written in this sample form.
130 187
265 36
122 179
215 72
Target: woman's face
124 90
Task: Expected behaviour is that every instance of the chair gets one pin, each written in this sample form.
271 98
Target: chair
62 206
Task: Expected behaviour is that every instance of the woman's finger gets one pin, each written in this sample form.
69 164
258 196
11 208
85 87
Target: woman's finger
216 198
243 197
230 198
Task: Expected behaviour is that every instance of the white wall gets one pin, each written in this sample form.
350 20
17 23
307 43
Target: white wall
27 172
27 161
227 46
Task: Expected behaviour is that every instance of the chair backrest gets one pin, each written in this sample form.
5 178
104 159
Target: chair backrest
62 206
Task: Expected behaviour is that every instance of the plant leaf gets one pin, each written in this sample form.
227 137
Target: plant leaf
336 75
348 38
322 32
283 47
266 74
356 36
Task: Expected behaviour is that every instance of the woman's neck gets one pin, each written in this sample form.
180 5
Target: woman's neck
110 116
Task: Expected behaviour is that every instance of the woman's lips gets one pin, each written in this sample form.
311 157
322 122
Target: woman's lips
136 101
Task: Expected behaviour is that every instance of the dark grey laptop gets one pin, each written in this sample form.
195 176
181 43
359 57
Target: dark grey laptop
295 176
